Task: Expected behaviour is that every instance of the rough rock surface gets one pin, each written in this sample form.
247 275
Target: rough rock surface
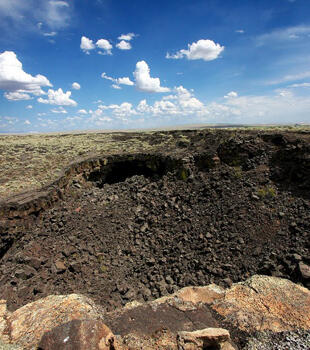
265 303
138 227
26 325
233 318
202 339
218 208
79 335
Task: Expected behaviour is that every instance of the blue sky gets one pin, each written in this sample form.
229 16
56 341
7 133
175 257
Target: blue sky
108 64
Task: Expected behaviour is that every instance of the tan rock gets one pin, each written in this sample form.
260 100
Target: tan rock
4 314
266 303
304 270
79 334
201 339
30 322
162 340
205 295
194 295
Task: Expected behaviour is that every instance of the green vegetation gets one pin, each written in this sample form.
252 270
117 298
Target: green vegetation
267 192
237 172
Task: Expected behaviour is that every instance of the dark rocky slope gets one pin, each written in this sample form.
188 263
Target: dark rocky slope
219 207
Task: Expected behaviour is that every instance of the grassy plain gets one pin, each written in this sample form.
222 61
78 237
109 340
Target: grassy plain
28 162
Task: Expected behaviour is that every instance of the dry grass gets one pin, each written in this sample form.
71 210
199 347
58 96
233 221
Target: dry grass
31 161
28 162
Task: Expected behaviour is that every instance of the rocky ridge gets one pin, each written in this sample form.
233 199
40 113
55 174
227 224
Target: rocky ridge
207 317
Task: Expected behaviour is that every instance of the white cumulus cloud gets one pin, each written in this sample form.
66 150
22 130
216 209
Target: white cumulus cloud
15 81
17 96
82 111
50 34
29 107
203 49
87 44
127 37
231 94
76 86
144 81
105 45
182 103
125 81
59 110
117 81
123 45
58 97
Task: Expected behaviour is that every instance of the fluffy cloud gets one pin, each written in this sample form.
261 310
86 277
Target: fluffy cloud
277 108
206 50
76 86
50 34
87 44
231 94
17 82
59 110
123 45
144 82
121 111
17 96
27 122
105 45
117 81
125 81
29 107
127 37
82 111
58 97
181 103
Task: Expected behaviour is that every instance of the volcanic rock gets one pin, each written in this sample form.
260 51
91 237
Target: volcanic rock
27 325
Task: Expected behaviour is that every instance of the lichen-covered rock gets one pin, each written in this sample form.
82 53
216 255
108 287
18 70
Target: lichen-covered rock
266 303
4 346
4 314
27 325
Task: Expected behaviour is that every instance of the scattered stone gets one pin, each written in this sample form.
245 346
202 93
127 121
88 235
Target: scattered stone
60 266
304 270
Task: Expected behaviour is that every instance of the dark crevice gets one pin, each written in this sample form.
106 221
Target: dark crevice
149 166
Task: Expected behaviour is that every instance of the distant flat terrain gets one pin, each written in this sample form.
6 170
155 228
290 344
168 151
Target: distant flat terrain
31 161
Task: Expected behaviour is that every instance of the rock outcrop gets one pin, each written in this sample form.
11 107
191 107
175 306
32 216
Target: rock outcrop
192 318
28 324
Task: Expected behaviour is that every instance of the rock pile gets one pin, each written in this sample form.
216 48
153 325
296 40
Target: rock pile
193 318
